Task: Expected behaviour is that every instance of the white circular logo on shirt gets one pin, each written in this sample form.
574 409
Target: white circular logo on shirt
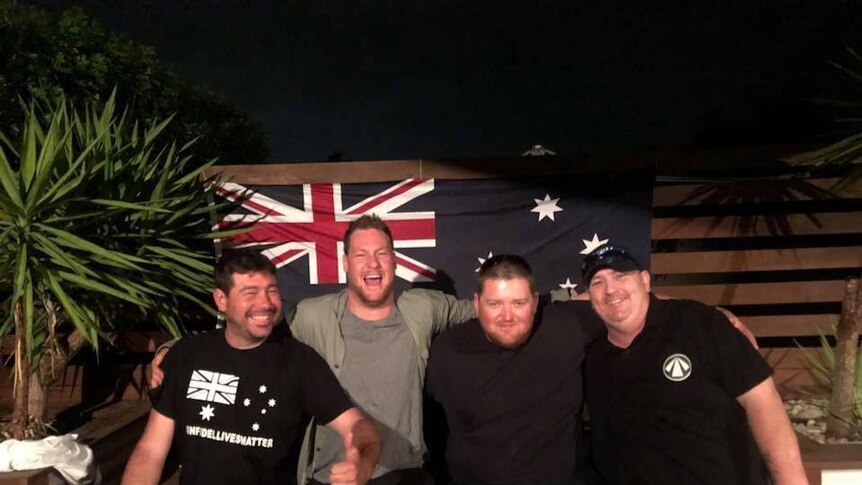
677 367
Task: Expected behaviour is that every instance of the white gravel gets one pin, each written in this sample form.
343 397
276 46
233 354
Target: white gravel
808 417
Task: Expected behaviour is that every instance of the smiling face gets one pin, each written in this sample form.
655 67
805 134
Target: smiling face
506 308
370 265
621 299
251 308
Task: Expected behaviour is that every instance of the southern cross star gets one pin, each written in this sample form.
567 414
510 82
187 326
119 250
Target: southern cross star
590 246
568 285
546 207
482 260
207 412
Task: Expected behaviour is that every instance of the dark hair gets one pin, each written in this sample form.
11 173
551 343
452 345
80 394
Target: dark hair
240 261
504 267
368 221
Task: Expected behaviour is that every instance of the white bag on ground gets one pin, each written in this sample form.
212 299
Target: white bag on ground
71 459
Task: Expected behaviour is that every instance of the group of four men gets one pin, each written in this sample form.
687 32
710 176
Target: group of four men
671 386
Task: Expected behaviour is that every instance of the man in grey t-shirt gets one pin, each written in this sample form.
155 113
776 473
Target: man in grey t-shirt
381 363
392 405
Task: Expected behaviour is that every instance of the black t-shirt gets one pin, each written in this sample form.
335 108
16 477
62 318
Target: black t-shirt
239 413
664 410
514 414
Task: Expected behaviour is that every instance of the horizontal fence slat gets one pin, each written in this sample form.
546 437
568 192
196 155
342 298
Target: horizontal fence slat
790 325
711 227
817 307
791 368
304 173
756 242
743 277
755 293
392 170
669 195
760 208
787 357
757 260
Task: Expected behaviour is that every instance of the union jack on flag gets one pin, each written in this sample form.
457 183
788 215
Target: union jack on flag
316 230
211 386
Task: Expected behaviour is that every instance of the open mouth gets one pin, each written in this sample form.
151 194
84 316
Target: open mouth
262 318
373 280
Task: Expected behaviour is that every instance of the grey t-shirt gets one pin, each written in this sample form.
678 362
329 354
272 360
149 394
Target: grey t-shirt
381 375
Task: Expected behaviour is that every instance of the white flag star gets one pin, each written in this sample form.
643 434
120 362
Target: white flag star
568 285
271 403
546 207
246 402
255 427
590 246
262 389
207 412
263 411
482 261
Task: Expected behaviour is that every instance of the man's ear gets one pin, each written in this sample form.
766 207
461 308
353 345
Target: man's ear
220 299
645 277
476 303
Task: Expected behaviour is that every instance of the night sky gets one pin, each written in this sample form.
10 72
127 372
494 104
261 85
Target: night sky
422 79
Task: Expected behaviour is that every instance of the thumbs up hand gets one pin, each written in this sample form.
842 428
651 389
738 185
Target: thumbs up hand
349 471
361 448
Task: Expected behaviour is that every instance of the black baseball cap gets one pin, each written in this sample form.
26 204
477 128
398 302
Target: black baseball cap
604 257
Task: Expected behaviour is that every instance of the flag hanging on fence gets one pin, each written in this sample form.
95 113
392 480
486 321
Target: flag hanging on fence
444 229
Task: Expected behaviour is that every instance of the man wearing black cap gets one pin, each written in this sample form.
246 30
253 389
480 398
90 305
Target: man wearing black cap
676 395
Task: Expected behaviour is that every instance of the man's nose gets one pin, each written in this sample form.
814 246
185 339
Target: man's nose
610 286
507 312
267 298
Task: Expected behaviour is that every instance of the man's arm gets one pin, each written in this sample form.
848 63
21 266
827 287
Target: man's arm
773 433
145 465
362 448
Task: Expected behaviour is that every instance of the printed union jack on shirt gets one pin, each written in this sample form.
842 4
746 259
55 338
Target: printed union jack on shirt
444 229
211 386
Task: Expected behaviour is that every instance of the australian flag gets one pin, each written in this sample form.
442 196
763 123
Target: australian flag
444 229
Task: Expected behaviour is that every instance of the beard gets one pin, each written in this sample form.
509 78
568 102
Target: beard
374 302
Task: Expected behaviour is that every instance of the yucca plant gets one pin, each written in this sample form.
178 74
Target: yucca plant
100 225
821 364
